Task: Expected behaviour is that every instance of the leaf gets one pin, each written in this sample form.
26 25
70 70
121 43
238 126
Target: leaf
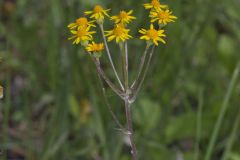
146 114
74 106
181 127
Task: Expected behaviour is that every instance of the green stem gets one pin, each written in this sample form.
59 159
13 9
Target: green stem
222 113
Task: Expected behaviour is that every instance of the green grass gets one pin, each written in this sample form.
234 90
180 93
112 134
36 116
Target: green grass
53 107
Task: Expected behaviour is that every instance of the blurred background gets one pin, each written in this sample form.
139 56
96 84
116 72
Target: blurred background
53 107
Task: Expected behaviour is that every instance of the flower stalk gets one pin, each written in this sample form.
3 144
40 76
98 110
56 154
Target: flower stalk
109 57
141 64
139 83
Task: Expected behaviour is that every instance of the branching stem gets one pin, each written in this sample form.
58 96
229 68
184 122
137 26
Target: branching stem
106 79
136 89
141 66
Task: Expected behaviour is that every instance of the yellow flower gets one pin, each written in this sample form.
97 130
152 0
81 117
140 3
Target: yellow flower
123 17
163 17
153 35
155 4
119 32
95 47
81 22
98 13
81 35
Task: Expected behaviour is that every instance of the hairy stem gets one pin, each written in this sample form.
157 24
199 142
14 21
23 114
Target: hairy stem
124 52
126 65
106 79
109 57
130 130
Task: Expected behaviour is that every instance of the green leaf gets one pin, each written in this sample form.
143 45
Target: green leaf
146 113
181 127
74 106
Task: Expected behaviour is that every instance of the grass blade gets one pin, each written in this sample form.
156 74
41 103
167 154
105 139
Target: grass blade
222 113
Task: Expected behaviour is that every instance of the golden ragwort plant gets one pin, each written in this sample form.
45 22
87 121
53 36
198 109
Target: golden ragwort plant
82 31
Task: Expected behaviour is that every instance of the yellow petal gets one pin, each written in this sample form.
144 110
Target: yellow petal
117 39
163 41
111 38
88 12
130 12
71 25
71 37
155 42
151 26
73 31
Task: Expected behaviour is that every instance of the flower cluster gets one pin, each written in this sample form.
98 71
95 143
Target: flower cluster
161 14
82 33
120 32
81 30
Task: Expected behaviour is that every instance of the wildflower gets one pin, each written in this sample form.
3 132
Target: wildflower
95 47
119 32
81 22
82 35
162 16
152 35
98 13
123 17
155 4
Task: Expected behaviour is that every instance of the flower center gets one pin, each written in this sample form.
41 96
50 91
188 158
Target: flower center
82 21
123 15
118 31
98 9
152 33
163 15
81 32
95 47
155 3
